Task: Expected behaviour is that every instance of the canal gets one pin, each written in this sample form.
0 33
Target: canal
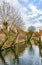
22 55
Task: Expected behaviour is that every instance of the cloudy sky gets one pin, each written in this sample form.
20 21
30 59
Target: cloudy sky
31 11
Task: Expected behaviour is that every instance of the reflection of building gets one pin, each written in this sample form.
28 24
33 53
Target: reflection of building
40 32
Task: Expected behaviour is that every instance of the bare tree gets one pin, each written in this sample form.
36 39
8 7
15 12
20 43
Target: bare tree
31 29
10 14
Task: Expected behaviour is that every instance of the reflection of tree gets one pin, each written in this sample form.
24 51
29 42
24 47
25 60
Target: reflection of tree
3 60
1 56
14 49
39 43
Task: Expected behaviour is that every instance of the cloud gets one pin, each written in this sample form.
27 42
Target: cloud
40 1
24 1
30 14
14 3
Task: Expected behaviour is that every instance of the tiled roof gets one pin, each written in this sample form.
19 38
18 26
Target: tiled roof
40 32
2 35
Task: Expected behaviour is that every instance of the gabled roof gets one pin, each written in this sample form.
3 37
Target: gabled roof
19 29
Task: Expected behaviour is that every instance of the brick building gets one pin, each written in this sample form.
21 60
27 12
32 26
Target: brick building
40 32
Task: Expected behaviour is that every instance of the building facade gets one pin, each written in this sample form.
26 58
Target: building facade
40 32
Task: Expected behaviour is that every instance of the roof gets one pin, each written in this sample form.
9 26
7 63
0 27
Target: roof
40 32
35 34
2 35
19 29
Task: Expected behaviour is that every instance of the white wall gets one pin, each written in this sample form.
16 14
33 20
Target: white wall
41 38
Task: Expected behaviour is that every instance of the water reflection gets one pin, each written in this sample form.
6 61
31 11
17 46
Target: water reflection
26 57
2 60
30 57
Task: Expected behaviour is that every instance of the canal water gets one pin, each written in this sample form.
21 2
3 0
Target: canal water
26 56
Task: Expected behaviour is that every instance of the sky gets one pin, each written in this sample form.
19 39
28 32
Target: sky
31 11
